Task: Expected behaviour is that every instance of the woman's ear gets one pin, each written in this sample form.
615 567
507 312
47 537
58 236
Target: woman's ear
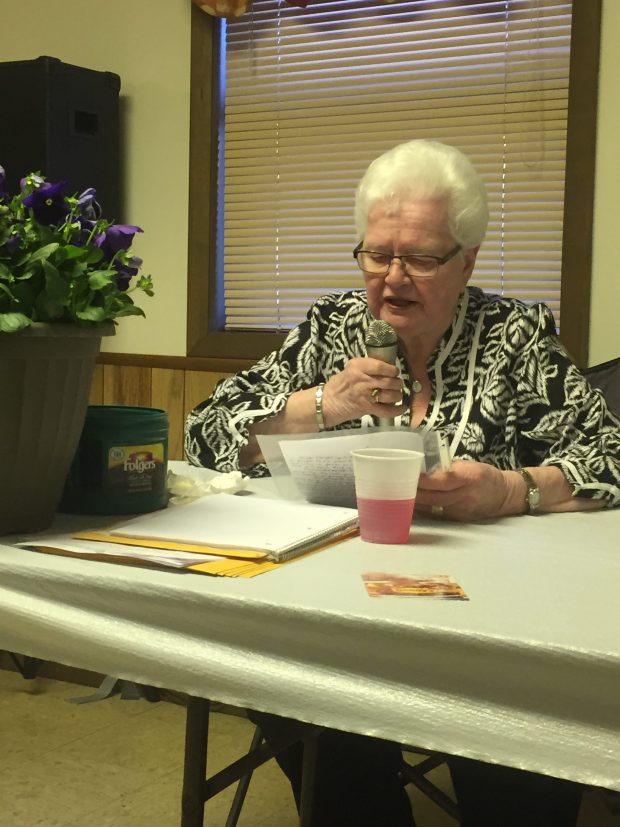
469 262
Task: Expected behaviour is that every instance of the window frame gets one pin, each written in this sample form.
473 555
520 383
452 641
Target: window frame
205 336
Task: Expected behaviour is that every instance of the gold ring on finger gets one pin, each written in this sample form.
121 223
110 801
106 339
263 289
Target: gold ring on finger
376 395
437 510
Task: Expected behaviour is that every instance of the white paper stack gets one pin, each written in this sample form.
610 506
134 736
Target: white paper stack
279 529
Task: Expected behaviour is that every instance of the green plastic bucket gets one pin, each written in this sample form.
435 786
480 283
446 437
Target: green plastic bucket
120 466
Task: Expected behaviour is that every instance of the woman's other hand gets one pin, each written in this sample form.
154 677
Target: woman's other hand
471 491
477 491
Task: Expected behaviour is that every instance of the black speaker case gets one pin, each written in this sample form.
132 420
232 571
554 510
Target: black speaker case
63 121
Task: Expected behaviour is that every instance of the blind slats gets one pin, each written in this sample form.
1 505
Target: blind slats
313 95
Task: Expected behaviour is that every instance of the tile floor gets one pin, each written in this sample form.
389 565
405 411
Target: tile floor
118 763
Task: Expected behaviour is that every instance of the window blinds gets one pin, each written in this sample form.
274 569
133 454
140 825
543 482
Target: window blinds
312 96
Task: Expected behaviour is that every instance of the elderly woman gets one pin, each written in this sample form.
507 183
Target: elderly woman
526 431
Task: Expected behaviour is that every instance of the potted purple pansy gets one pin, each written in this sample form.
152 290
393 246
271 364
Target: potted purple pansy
66 273
60 261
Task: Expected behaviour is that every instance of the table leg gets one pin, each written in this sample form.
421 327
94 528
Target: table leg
311 750
29 668
243 784
197 788
195 765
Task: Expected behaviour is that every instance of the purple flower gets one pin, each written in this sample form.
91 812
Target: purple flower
81 231
4 194
12 243
87 206
125 272
47 203
117 238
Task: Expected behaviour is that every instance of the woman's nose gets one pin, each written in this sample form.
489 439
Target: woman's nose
396 273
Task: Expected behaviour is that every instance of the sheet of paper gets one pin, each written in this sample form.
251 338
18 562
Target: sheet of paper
169 545
323 469
65 542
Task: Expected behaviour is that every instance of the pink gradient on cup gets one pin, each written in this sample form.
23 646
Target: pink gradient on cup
386 482
385 521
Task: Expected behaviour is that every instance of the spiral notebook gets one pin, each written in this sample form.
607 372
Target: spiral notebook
246 525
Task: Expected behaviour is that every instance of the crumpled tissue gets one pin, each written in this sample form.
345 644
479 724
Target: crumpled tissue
183 489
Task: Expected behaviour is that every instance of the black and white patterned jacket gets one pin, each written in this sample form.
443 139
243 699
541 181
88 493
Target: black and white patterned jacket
504 391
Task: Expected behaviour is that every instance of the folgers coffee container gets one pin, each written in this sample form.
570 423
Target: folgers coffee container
120 466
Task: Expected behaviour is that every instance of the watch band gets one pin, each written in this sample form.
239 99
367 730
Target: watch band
318 407
532 497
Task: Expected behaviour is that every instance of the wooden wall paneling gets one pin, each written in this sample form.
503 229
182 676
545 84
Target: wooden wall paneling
198 386
96 387
173 389
126 385
167 392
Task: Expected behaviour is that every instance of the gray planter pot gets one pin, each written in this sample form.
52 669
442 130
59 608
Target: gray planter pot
45 378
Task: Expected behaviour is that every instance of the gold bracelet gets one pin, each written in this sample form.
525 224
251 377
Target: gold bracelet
318 407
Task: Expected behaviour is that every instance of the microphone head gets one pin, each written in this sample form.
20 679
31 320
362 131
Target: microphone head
380 334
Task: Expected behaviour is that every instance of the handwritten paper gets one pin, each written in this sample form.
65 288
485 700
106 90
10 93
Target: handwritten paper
319 468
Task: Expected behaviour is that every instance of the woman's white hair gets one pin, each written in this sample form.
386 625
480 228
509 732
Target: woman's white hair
426 170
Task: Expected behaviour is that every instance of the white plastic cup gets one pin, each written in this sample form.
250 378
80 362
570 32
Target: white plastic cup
386 482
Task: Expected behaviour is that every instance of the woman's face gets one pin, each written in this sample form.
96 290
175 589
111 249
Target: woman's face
416 308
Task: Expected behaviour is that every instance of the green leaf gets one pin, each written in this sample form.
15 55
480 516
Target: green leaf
129 310
56 287
25 296
12 322
47 310
100 278
44 252
92 314
6 290
71 251
94 254
76 271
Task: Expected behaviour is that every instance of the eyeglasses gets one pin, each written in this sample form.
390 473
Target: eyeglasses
415 265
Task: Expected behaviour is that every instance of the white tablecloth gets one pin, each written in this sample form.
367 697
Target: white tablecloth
526 673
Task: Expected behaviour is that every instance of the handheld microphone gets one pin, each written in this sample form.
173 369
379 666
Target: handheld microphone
382 343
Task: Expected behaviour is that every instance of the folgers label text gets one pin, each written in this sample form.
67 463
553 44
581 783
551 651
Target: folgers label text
139 462
134 468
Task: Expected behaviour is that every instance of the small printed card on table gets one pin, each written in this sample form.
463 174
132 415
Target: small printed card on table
381 584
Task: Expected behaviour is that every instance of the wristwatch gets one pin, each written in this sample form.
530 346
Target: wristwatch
532 498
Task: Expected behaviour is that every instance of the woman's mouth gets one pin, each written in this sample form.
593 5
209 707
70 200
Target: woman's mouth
397 303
